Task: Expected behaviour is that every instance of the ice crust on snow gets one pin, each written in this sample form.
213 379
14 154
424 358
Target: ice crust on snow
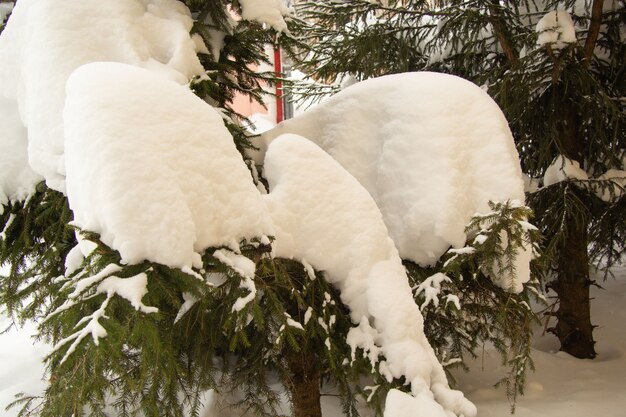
43 43
322 214
432 149
126 126
556 28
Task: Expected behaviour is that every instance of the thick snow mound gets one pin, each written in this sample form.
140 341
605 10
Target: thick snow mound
152 168
44 42
17 179
324 217
432 149
556 28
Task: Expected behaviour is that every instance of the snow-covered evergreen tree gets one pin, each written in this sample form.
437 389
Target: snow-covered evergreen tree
144 318
155 261
557 70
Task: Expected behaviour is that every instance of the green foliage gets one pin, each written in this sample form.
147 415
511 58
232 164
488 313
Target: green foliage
156 356
34 241
464 309
566 102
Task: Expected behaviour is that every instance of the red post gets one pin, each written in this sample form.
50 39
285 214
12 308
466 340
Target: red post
278 69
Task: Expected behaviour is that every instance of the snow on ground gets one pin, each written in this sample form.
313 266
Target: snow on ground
21 366
561 387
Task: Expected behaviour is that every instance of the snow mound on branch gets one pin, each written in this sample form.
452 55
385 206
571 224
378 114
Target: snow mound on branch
268 12
618 178
323 216
152 168
562 169
43 43
432 149
17 179
556 28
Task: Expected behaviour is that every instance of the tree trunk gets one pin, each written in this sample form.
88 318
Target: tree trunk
304 384
573 327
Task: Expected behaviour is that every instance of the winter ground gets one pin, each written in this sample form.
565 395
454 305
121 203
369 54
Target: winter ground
561 386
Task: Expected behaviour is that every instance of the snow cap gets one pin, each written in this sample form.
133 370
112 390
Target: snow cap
432 149
556 28
152 168
43 43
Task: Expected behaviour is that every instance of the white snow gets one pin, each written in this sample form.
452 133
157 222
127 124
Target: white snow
189 301
132 289
521 268
268 12
244 267
5 9
17 179
73 260
431 287
563 169
322 214
556 28
43 43
21 363
618 179
146 167
531 185
432 149
561 386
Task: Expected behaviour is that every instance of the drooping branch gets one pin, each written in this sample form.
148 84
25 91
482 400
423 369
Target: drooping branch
500 32
594 29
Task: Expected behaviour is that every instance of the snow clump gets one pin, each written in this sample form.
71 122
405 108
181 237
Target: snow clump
322 215
556 28
268 12
617 178
125 126
432 150
39 35
562 169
